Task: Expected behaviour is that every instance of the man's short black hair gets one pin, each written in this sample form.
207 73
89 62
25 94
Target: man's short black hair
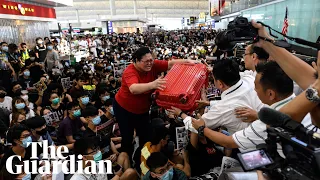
49 43
273 77
156 160
12 47
227 71
15 132
261 53
82 145
72 105
137 56
90 111
108 102
35 122
159 133
23 44
2 43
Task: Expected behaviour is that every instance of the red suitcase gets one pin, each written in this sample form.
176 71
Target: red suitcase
183 88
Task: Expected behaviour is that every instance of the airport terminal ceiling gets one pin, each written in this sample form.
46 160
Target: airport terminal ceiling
100 9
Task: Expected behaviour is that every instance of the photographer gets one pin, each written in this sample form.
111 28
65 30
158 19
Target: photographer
299 71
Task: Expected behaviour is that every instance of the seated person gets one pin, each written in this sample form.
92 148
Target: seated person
19 136
161 168
5 100
104 139
159 141
38 129
88 149
102 96
19 105
77 90
71 127
25 79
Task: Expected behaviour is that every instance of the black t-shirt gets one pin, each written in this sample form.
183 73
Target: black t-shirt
206 157
35 71
42 51
27 156
69 127
60 110
113 90
76 93
100 141
26 83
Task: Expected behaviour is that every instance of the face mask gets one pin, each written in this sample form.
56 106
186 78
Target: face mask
25 97
2 95
111 111
168 175
55 101
20 106
42 132
109 67
40 42
85 100
26 73
27 177
77 113
49 48
47 77
25 142
18 92
97 157
118 56
105 98
5 48
32 58
122 61
96 120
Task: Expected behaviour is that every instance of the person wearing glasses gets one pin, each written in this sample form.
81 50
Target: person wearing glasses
254 55
132 102
161 168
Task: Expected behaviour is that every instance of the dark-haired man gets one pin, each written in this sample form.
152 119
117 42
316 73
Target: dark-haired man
159 141
236 92
39 130
20 137
254 55
90 151
274 88
161 168
71 127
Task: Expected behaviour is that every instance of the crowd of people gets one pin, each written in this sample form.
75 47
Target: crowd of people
103 115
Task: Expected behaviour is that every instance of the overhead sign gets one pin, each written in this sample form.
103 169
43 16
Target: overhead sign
22 9
192 20
202 17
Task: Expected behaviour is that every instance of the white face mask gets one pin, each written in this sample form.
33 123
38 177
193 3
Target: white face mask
40 42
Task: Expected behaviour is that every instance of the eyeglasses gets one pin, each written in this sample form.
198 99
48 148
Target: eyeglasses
246 54
147 62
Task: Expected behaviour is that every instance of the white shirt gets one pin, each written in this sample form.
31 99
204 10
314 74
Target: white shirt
79 176
248 138
221 113
7 103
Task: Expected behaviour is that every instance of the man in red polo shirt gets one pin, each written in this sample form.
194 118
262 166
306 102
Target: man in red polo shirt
133 100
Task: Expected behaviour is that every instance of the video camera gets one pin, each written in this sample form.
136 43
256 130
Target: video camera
300 146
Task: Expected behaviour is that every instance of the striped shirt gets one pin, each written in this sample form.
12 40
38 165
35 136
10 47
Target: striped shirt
248 138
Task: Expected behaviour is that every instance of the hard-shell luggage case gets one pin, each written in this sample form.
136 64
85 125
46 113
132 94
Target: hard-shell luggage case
183 87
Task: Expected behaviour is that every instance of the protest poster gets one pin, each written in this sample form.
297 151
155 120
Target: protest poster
105 129
182 137
66 83
52 118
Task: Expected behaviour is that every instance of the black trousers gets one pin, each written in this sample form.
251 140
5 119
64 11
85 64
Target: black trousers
127 123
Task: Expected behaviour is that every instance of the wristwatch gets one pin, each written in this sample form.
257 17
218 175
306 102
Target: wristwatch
201 131
312 95
180 114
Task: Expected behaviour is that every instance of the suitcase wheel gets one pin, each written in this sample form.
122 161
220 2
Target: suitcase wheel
183 98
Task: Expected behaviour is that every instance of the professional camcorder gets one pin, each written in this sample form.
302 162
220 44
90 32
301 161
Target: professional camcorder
300 146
